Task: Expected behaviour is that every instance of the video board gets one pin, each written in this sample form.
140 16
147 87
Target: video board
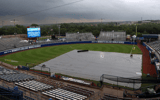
33 32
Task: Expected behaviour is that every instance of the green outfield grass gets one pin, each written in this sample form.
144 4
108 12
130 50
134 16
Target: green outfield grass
40 55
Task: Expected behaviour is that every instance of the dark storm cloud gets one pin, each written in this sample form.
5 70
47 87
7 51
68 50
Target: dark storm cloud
84 10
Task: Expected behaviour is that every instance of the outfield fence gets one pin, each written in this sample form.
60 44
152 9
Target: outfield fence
62 43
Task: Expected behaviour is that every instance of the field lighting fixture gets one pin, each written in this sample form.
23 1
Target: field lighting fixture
136 29
59 26
14 25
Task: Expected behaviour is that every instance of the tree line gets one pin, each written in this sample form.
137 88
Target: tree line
149 28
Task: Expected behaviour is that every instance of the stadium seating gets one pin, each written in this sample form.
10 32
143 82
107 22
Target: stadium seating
7 71
155 45
9 43
116 36
62 94
10 93
16 77
79 37
13 76
34 85
78 90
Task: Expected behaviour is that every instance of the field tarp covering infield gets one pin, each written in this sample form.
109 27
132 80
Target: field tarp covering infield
92 64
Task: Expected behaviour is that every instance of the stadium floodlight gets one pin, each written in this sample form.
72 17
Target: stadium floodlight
59 26
136 29
2 23
14 24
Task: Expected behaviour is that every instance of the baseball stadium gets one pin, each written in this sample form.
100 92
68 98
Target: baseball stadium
79 67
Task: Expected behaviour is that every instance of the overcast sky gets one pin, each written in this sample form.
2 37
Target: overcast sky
67 11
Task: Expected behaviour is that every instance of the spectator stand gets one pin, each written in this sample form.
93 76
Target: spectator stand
7 71
153 57
154 46
13 76
62 94
34 85
11 93
31 95
157 67
16 77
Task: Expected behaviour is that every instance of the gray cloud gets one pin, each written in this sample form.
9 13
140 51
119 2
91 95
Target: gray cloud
86 10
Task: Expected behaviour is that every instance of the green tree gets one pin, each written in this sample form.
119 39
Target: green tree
34 25
96 32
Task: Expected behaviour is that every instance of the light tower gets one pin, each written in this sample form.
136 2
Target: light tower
101 23
2 23
59 26
14 24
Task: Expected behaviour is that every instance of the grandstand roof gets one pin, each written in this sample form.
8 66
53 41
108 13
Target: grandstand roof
150 35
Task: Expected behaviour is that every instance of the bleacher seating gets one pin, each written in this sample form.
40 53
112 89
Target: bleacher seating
10 93
78 90
13 76
155 45
79 37
112 36
7 71
62 94
16 77
9 43
34 85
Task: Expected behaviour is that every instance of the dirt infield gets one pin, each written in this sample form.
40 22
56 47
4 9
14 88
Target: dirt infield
147 66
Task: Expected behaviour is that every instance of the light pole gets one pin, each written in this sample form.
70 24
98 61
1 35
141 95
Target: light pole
59 29
2 23
14 25
136 30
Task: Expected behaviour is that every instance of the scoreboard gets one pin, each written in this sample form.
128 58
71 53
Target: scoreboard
33 32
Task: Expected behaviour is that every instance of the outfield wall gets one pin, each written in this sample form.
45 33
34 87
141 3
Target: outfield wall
52 44
116 42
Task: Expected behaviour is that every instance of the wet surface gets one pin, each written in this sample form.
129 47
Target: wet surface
92 64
